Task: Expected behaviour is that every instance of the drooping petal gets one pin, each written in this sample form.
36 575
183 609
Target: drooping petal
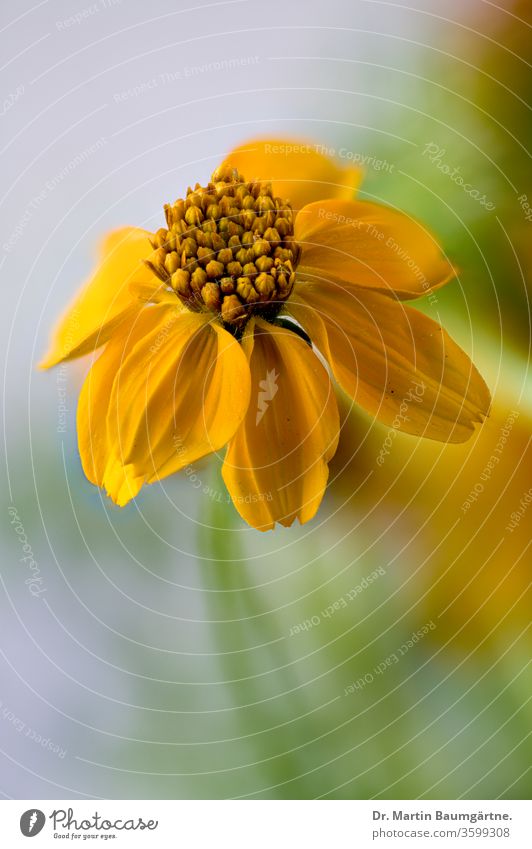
399 365
180 394
93 403
122 482
97 311
300 174
276 464
372 246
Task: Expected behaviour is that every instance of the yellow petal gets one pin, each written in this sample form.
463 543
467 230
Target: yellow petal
94 397
276 464
299 173
179 395
121 482
395 362
96 311
371 246
91 415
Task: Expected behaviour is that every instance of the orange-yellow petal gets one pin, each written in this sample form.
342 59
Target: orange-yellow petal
276 464
121 482
399 365
95 313
180 394
300 174
95 393
371 246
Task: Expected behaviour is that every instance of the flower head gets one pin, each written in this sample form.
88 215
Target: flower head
210 328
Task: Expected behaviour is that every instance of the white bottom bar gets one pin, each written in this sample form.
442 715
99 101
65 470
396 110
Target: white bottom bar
266 824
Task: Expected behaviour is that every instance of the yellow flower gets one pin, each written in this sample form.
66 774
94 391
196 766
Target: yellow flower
207 326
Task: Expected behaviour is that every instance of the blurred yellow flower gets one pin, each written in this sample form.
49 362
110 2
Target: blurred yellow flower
207 326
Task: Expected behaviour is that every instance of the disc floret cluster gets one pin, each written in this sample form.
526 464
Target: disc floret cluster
229 248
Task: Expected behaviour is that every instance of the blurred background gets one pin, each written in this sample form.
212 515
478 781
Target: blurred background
166 650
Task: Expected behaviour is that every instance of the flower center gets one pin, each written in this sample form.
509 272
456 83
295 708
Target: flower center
229 248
